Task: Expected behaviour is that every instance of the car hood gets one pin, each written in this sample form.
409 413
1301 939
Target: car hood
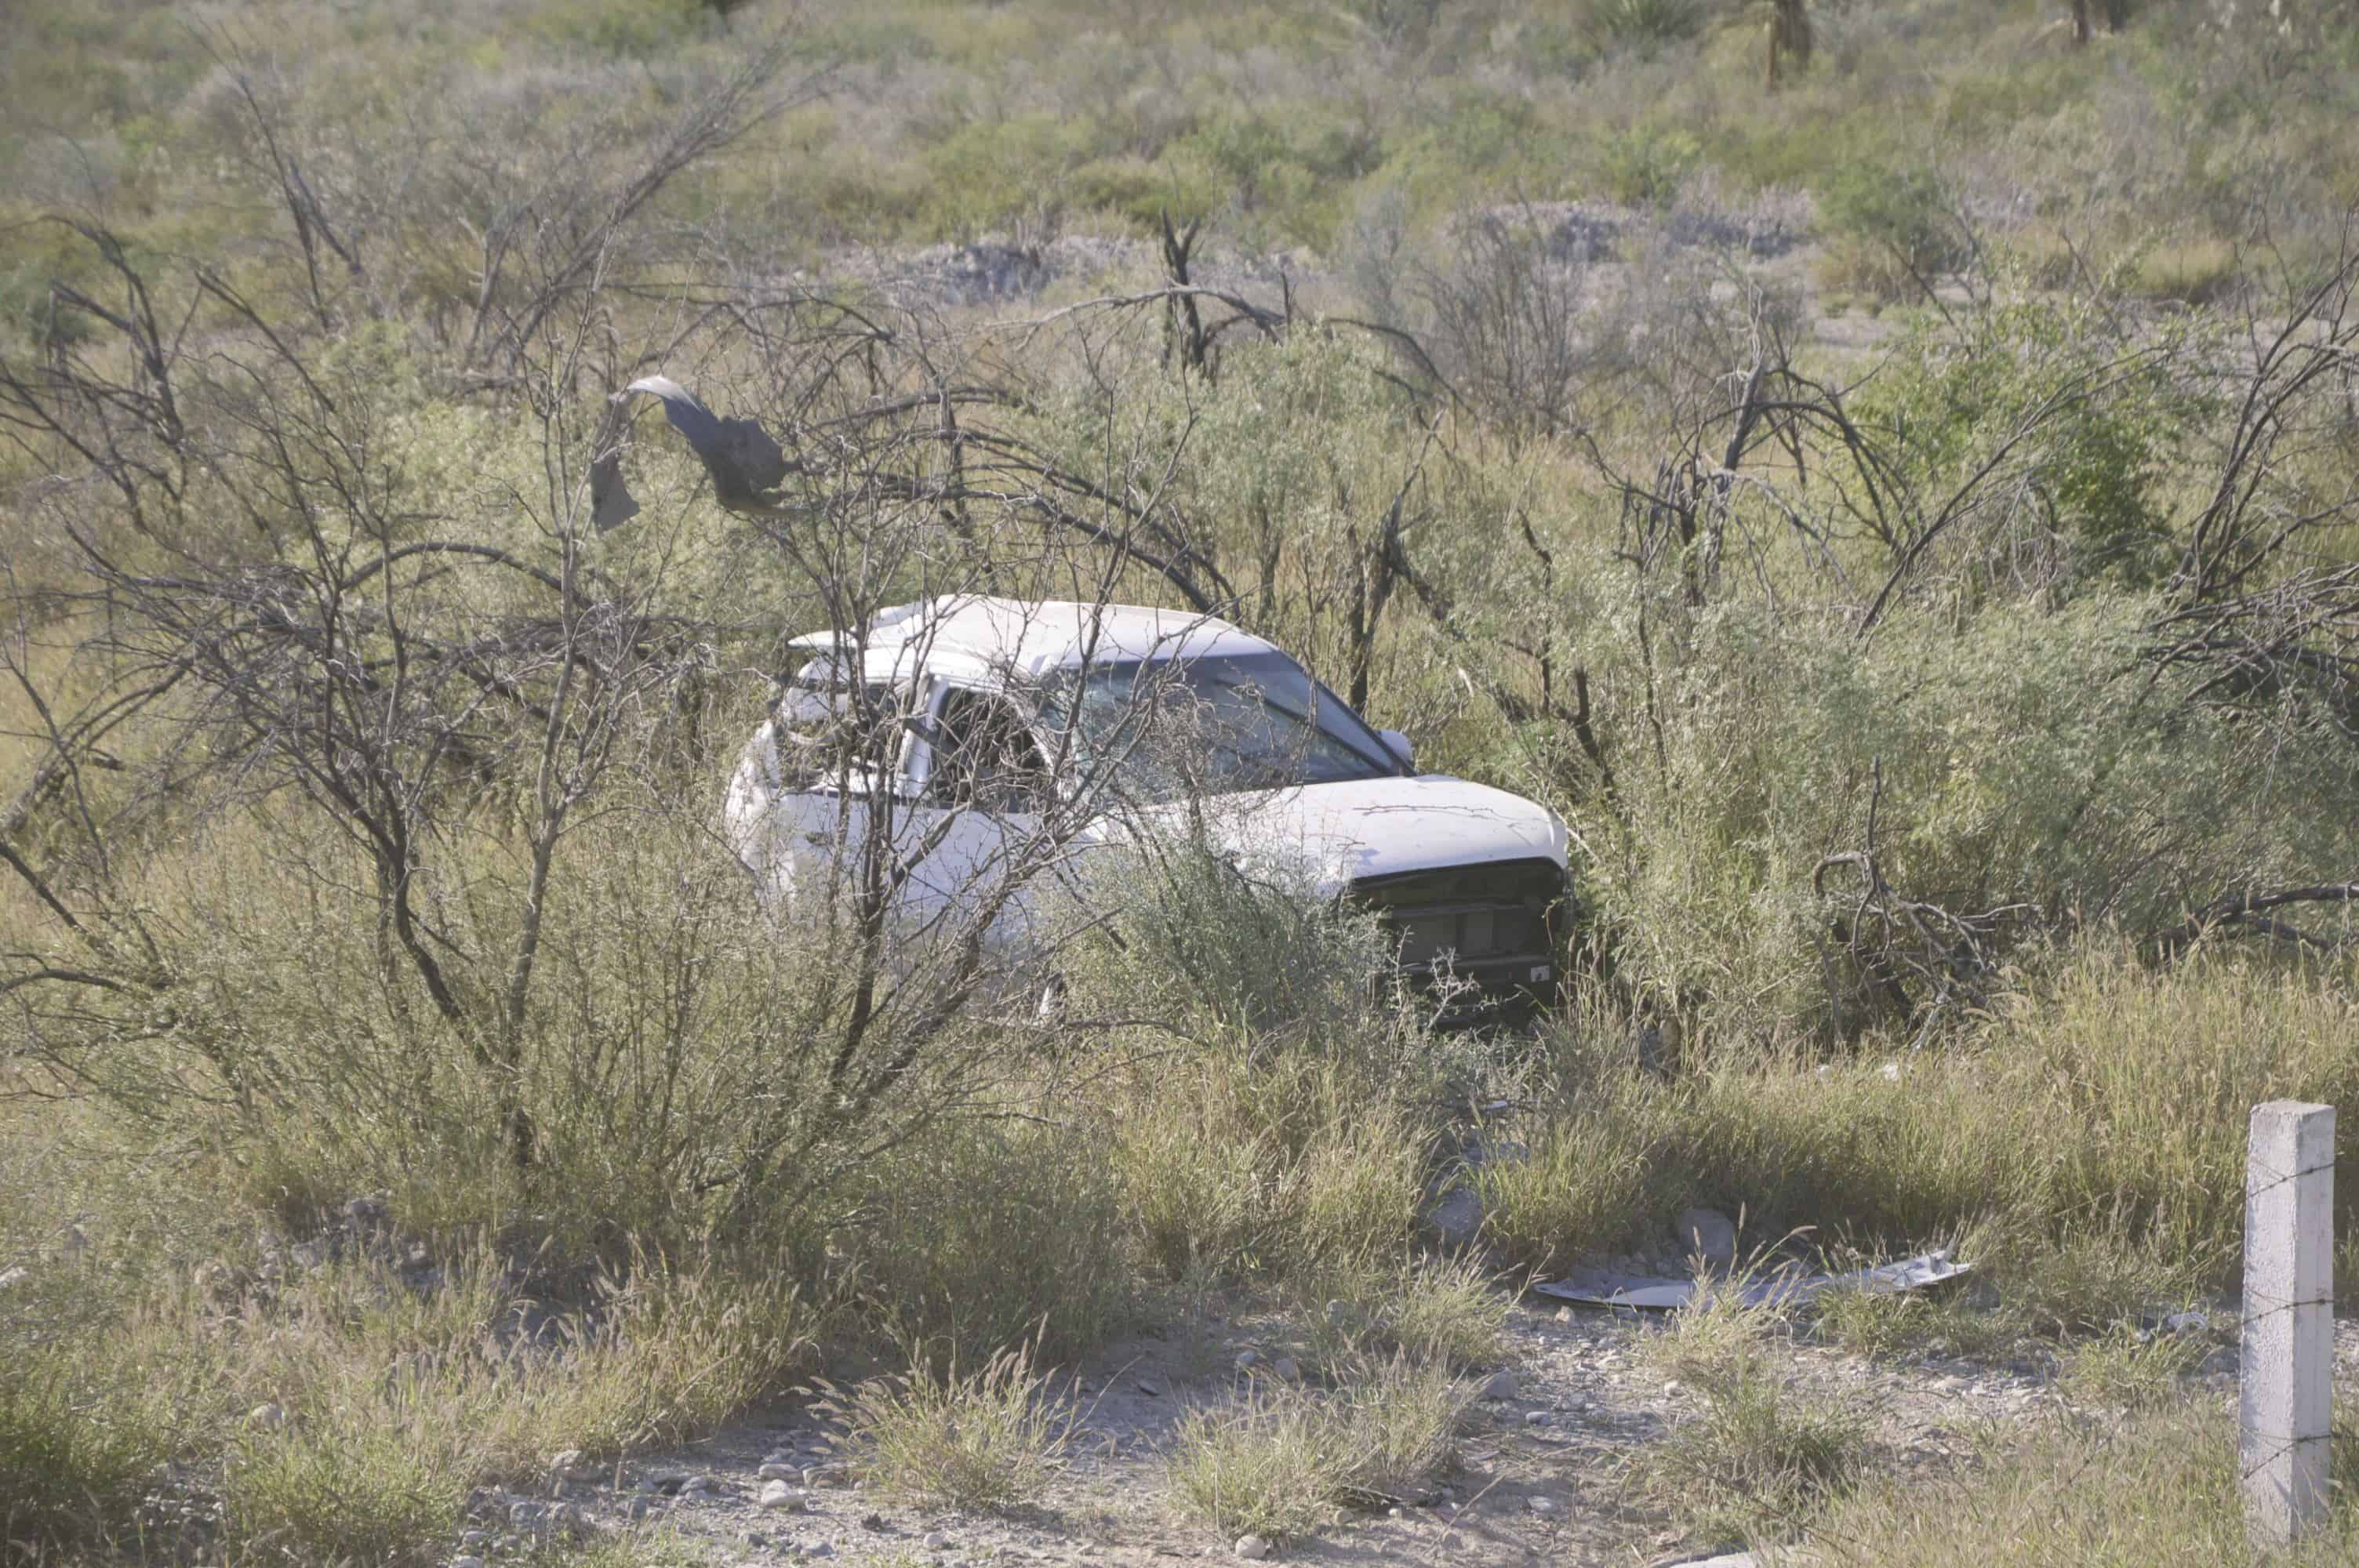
1341 833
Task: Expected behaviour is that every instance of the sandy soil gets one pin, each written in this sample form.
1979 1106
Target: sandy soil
1584 1403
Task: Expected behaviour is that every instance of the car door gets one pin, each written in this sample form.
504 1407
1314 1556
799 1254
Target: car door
976 812
832 766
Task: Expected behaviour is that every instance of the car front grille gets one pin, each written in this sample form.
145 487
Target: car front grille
1490 924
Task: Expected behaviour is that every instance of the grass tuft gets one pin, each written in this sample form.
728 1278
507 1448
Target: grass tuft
2129 1367
1753 1451
2193 272
1584 1187
980 1235
1453 1314
1448 1312
1283 1461
1242 1159
71 1465
1886 1326
352 1486
988 1440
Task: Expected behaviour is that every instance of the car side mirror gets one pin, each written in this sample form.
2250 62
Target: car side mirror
1397 744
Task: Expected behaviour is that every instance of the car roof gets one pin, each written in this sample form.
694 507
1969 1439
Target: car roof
990 639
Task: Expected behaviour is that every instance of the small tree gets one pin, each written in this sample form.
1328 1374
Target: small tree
1789 39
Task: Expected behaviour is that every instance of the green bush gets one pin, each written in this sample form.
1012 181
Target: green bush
1237 946
1476 146
2029 762
1283 1134
32 256
625 28
1644 166
2103 419
1284 176
998 176
1139 194
1641 24
1903 213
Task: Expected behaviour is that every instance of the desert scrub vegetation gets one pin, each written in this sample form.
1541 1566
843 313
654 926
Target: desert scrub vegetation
406 1082
943 125
347 1411
1284 1461
2160 1488
1752 1455
985 1234
2130 1366
1440 1312
1235 1164
987 1438
2102 1112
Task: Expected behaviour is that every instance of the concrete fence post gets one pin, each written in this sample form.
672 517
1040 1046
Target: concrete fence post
2288 1370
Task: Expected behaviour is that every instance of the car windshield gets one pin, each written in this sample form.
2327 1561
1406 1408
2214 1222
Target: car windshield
1171 728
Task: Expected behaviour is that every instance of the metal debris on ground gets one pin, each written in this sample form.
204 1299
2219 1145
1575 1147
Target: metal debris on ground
1780 1287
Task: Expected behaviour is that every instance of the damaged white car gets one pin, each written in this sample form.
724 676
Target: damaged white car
993 748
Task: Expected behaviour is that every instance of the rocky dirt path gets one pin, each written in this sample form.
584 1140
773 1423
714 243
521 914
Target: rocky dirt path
1544 1473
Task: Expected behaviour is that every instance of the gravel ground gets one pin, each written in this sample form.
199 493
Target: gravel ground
1543 1476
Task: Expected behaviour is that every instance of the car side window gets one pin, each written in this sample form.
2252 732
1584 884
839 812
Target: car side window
820 727
984 757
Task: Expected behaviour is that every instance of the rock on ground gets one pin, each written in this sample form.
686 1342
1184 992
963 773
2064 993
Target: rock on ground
1455 1219
1708 1233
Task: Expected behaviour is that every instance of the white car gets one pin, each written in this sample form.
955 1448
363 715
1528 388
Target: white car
994 727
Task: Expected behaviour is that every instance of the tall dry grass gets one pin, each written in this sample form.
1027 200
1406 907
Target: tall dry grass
2159 1490
2104 1108
351 1408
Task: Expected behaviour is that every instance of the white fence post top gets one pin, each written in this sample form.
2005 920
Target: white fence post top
2288 1352
2283 1107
